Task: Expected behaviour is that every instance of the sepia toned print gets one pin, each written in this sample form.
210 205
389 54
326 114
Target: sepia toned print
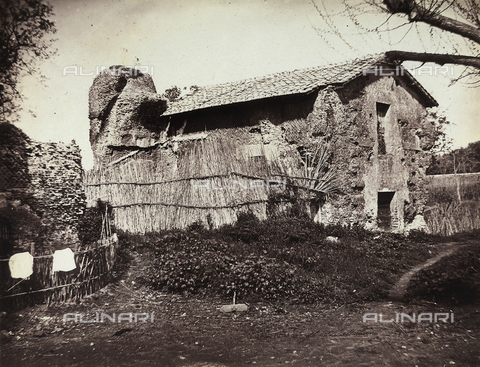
248 182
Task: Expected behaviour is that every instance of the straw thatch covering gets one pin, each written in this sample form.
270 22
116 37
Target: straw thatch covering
212 180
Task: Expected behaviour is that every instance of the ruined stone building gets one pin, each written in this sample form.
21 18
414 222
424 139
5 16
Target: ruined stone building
41 193
153 158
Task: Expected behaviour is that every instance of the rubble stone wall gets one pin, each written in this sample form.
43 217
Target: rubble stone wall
56 186
47 204
350 121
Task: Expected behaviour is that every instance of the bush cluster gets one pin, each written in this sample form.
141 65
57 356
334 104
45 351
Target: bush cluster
21 226
189 262
282 258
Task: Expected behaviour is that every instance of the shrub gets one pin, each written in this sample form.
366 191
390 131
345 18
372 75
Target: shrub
421 236
21 227
91 223
282 258
260 278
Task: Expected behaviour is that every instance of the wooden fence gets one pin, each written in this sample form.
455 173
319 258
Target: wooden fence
93 271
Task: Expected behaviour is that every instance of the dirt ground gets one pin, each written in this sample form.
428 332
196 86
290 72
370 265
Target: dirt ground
189 331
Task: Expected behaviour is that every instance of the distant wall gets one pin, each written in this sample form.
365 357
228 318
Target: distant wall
446 214
450 180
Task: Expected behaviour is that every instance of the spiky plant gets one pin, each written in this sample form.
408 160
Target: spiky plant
321 177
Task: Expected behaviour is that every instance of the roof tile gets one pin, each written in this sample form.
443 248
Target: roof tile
274 85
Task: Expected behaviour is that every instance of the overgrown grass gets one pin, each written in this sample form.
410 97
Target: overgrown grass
287 259
446 215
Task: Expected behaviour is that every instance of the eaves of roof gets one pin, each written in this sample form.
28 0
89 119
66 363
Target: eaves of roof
283 84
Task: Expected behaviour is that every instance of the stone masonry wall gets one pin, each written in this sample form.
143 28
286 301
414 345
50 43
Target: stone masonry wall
56 187
42 205
373 154
345 121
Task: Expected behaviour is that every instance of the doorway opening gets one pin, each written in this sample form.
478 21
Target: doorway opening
384 216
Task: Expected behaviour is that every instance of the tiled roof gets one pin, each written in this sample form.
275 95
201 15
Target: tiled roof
275 85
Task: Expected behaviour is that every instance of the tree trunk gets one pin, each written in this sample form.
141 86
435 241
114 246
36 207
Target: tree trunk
417 13
457 179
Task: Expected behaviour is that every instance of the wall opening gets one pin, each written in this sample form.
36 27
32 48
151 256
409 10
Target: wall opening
384 215
382 110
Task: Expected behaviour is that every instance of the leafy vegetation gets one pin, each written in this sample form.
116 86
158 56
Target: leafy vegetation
462 160
21 225
25 25
173 93
285 259
91 224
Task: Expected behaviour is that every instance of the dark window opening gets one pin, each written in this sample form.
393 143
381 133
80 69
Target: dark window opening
384 217
382 110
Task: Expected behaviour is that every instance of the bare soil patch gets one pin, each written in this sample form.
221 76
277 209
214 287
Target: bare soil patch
190 331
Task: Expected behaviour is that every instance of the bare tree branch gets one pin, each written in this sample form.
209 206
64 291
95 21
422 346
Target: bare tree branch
417 13
440 59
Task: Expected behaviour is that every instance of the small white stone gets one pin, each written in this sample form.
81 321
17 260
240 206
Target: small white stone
331 239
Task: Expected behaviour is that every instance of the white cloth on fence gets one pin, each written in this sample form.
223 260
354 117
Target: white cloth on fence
64 260
21 265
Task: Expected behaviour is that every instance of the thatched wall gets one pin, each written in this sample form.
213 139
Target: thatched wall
210 180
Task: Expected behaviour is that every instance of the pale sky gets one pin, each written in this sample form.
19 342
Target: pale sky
204 42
